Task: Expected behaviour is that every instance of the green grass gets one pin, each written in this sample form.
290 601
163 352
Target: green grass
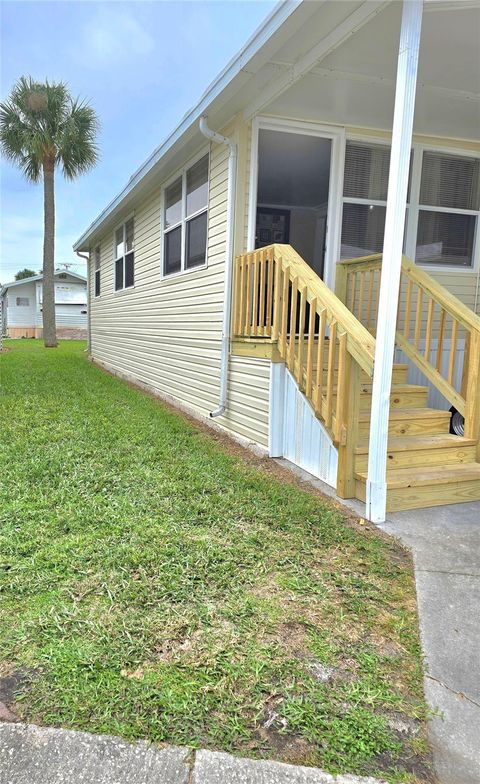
161 586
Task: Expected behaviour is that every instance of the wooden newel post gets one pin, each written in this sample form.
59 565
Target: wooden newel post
348 437
341 282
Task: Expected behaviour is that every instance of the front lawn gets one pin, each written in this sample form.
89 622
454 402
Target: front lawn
157 584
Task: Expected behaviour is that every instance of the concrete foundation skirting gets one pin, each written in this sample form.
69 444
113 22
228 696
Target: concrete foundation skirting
21 332
63 333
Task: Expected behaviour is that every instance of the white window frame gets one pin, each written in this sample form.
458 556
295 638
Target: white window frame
414 206
116 258
336 134
97 256
182 174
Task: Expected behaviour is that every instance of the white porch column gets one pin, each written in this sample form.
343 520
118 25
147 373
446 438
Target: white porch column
392 256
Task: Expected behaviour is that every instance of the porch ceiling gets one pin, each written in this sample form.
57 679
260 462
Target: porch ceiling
355 83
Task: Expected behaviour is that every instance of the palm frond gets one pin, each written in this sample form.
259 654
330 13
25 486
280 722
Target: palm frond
41 123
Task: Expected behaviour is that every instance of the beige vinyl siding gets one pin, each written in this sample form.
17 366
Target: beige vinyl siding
248 399
166 332
463 284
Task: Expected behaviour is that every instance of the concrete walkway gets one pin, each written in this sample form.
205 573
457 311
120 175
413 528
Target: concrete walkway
42 755
445 544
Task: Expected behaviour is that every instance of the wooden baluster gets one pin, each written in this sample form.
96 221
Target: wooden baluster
428 332
277 299
283 339
348 435
293 325
441 337
371 281
418 318
341 391
466 363
310 347
270 293
472 391
377 298
261 304
341 282
320 352
453 352
249 294
301 338
256 270
332 346
408 310
353 287
361 296
237 315
243 298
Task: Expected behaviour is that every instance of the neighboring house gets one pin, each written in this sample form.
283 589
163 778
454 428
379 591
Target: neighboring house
307 107
22 306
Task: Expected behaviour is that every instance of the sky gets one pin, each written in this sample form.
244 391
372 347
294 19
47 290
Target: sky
141 65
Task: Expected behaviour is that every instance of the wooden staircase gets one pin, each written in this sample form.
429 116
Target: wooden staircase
426 464
330 352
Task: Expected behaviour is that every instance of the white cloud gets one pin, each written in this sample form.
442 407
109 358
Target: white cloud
113 36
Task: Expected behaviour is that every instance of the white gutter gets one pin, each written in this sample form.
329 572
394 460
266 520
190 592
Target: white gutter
229 253
87 259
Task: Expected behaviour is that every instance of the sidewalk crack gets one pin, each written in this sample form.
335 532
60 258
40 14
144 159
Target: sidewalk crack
458 693
445 571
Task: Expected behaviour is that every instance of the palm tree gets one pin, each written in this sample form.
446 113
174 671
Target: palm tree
41 127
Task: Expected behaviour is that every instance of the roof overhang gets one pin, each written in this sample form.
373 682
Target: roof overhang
38 278
286 49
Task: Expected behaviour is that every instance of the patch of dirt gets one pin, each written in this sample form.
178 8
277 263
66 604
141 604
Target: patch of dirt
293 637
272 735
419 766
13 682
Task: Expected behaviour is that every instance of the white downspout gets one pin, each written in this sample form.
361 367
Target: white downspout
87 259
405 89
229 245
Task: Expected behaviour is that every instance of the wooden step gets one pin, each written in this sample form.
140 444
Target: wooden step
422 487
409 421
402 396
430 450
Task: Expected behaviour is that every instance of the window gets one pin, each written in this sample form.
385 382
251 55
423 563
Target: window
365 196
23 302
442 211
97 271
447 209
124 255
185 220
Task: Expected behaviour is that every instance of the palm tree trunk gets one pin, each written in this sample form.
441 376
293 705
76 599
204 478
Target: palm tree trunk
49 329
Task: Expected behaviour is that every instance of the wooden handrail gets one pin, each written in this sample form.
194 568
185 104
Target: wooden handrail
428 312
441 295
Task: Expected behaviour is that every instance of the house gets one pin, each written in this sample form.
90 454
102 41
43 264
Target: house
237 274
22 306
